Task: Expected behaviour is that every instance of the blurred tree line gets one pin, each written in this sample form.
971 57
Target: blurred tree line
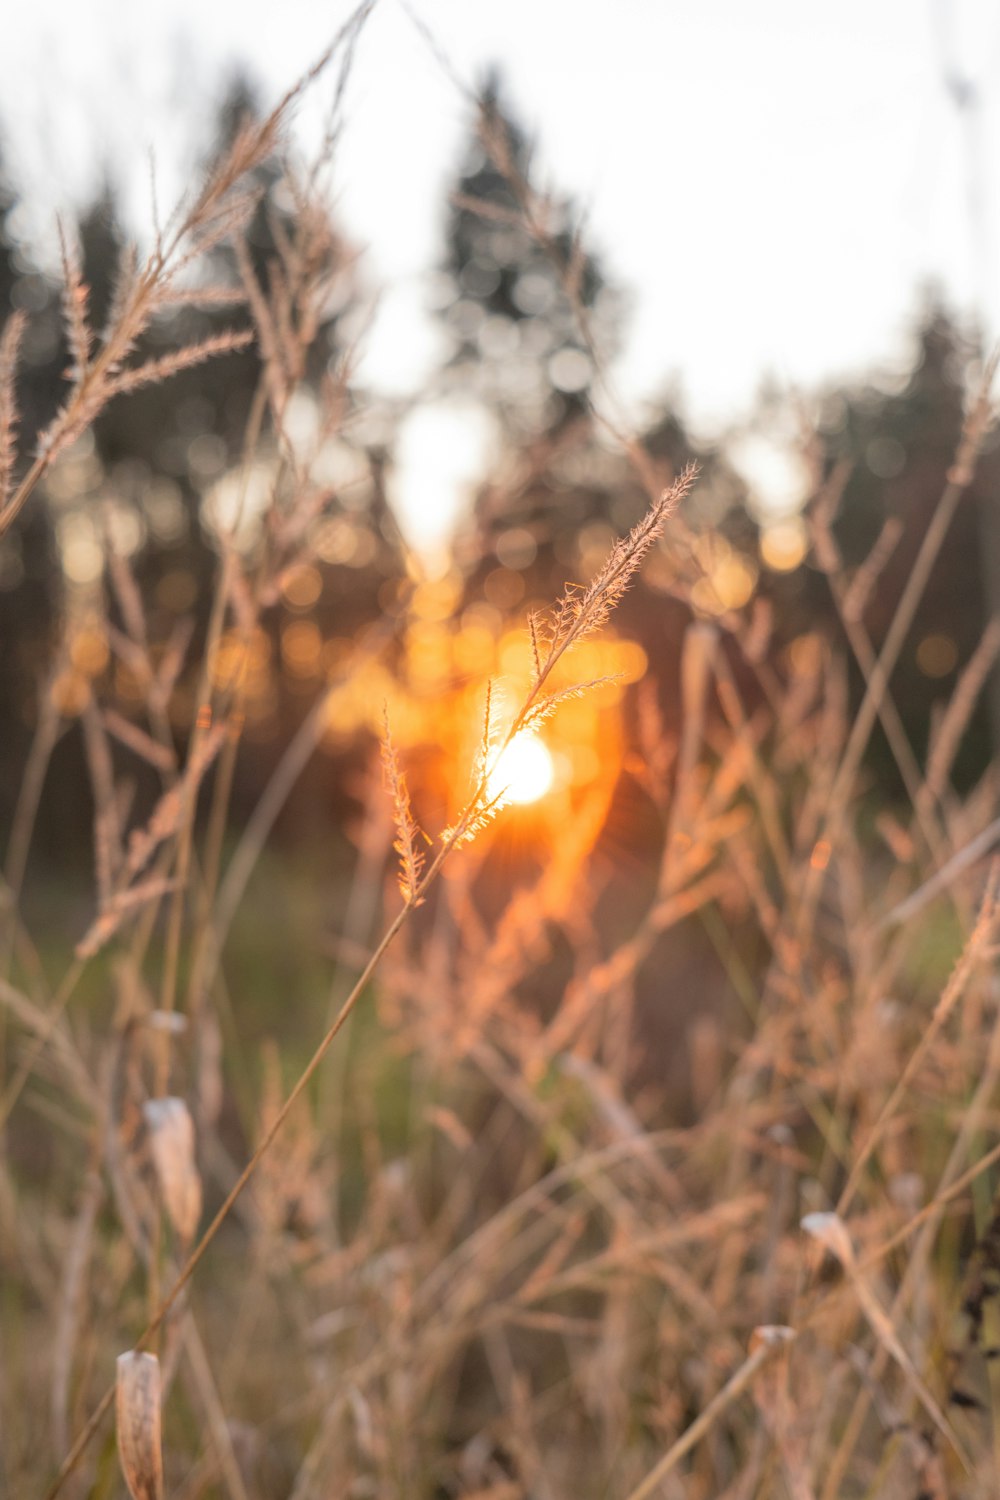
532 319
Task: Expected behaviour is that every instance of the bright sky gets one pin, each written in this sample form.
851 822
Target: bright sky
773 182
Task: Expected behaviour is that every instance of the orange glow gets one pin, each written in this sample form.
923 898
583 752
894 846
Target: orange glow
302 588
784 544
524 770
435 700
70 694
301 648
89 651
821 855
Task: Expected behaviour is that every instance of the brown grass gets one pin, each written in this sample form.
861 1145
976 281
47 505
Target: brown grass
574 1220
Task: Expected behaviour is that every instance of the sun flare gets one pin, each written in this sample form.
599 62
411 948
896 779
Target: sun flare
524 769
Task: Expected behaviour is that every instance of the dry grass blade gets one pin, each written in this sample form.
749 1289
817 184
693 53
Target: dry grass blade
123 298
536 1228
867 576
769 1342
10 342
960 709
831 1232
978 421
119 906
966 857
219 211
977 946
166 816
44 1026
71 1320
256 141
615 578
144 746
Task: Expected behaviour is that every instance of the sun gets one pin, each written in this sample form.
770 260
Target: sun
524 769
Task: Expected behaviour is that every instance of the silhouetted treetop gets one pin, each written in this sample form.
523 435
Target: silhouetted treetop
522 286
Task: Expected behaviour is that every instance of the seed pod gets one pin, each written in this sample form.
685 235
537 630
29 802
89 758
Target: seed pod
772 1334
831 1231
171 1141
137 1410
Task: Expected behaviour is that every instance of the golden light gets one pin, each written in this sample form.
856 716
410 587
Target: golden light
89 650
302 648
302 588
784 544
524 770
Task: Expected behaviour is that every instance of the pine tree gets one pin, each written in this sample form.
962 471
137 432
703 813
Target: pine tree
522 295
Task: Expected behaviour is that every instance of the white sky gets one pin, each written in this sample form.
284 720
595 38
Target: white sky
773 181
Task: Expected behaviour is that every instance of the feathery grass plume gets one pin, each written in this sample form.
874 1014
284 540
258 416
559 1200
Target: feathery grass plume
204 296
578 614
155 370
487 739
411 857
75 297
477 816
122 291
219 211
539 712
573 1216
597 602
484 803
228 223
10 342
582 610
534 626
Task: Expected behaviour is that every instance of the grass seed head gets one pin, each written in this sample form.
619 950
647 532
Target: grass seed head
137 1408
171 1142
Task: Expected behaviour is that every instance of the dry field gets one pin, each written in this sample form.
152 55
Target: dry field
533 1199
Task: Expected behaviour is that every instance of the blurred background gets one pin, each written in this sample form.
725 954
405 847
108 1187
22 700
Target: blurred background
514 268
783 230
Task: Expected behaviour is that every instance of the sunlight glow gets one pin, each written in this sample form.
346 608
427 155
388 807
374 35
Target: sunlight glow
525 769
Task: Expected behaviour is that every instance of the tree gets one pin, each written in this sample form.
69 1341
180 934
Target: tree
520 287
898 440
152 459
27 552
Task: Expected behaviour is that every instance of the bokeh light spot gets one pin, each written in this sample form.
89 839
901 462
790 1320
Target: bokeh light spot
302 588
937 655
783 544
